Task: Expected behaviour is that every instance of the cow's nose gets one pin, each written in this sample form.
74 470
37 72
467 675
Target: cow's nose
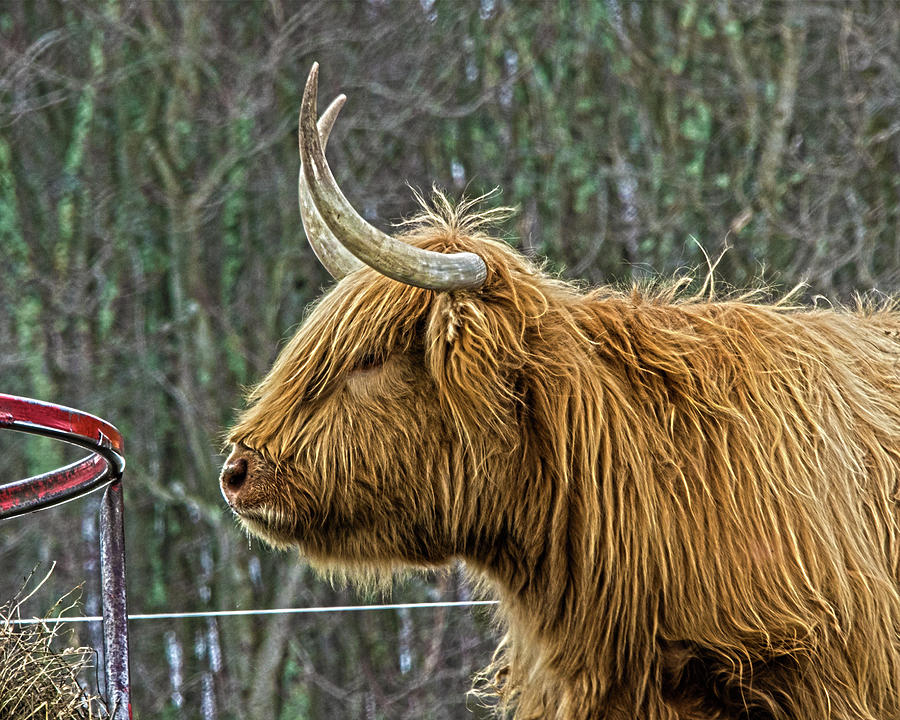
234 474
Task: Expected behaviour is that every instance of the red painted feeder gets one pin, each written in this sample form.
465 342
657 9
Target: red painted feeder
103 467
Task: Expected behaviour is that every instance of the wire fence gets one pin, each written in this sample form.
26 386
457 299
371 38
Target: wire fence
261 611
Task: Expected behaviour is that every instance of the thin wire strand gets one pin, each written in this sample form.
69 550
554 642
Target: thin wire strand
264 611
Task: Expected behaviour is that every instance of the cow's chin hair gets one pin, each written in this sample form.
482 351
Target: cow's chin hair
369 577
266 525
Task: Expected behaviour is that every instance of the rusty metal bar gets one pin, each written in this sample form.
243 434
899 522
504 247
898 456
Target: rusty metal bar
115 612
104 466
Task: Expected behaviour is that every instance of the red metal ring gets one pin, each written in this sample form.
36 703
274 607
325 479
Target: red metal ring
104 465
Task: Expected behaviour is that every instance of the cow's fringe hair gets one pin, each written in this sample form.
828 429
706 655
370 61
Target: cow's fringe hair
441 215
687 503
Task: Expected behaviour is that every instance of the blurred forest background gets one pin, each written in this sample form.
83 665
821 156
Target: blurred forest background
153 259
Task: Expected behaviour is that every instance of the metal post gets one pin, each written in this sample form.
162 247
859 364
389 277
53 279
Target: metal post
115 615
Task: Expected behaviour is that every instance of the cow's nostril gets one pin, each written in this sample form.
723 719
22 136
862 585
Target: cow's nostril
234 474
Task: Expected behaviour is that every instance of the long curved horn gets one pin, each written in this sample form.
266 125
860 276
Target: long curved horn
387 255
336 259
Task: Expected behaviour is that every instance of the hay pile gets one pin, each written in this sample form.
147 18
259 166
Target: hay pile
39 673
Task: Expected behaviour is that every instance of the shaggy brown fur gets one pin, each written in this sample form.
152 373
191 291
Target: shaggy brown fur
688 508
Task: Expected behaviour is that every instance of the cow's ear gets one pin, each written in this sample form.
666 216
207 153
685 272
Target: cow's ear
473 351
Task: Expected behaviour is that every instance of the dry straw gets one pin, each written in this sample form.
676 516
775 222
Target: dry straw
39 671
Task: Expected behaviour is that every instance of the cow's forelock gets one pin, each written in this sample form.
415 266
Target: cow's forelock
365 317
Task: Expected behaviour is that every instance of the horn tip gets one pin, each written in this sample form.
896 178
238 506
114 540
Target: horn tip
312 79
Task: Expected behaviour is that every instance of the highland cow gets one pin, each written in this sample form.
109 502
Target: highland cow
687 506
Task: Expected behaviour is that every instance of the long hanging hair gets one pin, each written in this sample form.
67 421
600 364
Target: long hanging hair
699 497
